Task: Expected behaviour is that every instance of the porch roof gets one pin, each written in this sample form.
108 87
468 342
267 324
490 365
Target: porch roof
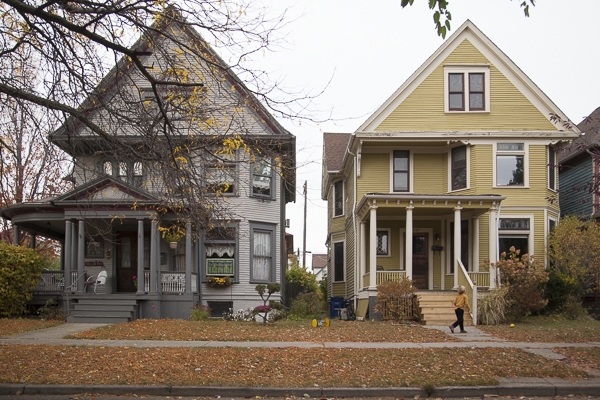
426 204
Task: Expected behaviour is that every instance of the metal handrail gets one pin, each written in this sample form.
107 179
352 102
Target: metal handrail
70 287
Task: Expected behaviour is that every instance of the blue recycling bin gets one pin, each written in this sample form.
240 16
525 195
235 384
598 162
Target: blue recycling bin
335 303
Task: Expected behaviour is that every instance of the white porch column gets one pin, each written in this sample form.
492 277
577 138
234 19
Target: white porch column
475 267
154 273
409 241
80 256
373 248
457 242
363 253
188 257
67 254
493 239
141 284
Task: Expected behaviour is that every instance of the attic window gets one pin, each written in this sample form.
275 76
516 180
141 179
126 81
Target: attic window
467 89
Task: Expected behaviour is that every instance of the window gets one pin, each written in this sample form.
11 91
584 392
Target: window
220 248
129 172
510 164
514 232
401 171
123 171
220 179
383 242
338 198
467 89
262 179
551 168
459 168
338 262
262 253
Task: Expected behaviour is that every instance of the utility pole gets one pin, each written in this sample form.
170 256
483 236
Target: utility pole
304 237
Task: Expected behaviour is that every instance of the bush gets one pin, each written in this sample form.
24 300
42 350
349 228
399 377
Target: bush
298 274
395 299
20 271
491 306
525 278
51 311
306 305
200 313
559 289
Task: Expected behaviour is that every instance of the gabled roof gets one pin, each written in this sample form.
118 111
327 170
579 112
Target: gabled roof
504 64
106 189
334 148
319 261
590 137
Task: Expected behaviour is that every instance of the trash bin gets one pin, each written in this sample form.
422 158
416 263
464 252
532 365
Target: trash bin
335 303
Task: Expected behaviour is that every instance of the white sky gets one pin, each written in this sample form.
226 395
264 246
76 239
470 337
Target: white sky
369 48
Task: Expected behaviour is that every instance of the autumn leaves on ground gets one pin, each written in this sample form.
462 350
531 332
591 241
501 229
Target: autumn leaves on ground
293 366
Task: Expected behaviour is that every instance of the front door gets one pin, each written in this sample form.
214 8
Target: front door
126 261
420 261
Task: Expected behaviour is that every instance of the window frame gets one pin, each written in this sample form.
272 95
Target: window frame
524 153
517 232
221 166
233 241
408 171
451 168
271 176
334 261
552 169
466 71
134 171
387 232
338 211
263 228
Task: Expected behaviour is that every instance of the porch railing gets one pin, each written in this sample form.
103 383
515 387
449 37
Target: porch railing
480 278
384 276
171 282
471 289
54 281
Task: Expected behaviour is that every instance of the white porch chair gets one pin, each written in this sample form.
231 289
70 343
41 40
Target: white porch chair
96 281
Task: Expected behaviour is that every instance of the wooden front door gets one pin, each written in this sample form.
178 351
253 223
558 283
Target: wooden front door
126 261
420 261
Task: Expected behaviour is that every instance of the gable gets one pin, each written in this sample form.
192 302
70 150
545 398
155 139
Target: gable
512 103
105 189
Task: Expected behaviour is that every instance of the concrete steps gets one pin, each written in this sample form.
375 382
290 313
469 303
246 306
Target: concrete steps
436 308
103 310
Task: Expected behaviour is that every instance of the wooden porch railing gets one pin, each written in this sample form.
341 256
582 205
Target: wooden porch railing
384 276
53 281
480 278
471 289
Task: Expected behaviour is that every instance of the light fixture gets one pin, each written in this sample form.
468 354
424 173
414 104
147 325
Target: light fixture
437 237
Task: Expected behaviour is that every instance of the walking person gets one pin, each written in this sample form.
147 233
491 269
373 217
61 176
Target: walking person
461 302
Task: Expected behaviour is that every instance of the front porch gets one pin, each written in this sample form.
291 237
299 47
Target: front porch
480 279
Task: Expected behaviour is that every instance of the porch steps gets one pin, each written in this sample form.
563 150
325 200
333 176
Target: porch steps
436 308
103 310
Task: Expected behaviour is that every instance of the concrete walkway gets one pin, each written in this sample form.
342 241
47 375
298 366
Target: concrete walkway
474 338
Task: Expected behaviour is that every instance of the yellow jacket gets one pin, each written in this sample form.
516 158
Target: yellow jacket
462 301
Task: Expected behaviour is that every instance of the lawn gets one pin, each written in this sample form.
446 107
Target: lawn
13 326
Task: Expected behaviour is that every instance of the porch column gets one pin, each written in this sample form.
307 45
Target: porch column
15 235
493 239
74 252
188 257
80 256
141 284
408 242
68 248
475 267
32 241
154 273
363 253
457 243
373 248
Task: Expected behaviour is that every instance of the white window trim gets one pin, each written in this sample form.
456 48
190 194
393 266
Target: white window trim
389 242
530 232
468 156
464 69
555 189
524 153
333 215
333 243
410 171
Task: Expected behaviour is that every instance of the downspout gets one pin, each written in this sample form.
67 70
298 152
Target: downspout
356 250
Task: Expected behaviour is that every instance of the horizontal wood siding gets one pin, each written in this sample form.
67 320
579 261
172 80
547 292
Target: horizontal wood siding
423 109
430 173
575 196
482 173
374 174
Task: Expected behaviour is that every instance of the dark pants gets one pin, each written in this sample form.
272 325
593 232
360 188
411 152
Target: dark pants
459 319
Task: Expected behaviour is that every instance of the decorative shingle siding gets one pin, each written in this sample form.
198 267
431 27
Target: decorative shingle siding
423 109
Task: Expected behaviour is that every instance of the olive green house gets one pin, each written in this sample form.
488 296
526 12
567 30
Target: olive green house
453 169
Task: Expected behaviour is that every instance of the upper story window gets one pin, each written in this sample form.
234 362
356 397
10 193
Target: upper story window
221 176
401 171
458 167
552 167
467 88
131 172
262 179
510 165
338 198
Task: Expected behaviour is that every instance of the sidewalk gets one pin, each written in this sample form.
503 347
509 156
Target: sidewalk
475 338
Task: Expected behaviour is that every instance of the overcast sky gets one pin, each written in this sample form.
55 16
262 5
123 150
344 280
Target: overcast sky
369 48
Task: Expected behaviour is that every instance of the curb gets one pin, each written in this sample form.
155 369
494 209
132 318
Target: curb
509 387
